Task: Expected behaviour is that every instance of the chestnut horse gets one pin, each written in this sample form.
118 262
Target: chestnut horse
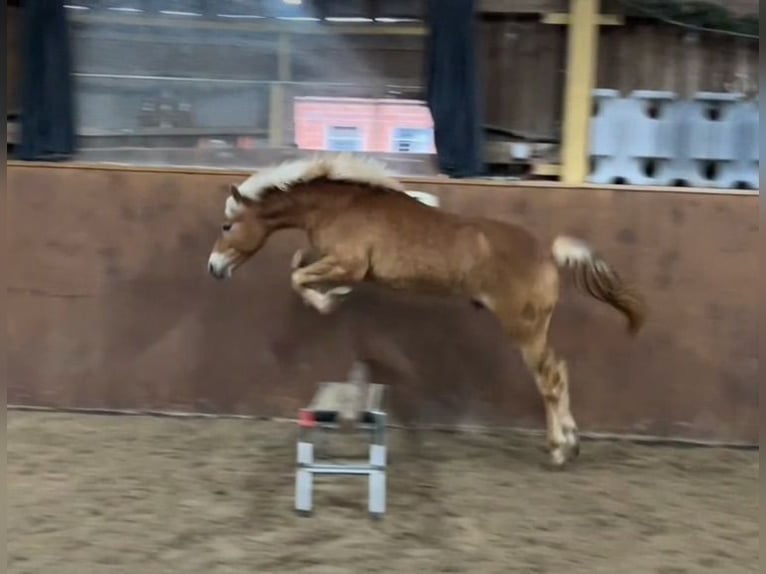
363 227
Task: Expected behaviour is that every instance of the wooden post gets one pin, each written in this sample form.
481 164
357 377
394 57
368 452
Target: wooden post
580 81
278 91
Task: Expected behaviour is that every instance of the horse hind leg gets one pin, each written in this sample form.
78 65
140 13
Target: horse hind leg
568 424
552 378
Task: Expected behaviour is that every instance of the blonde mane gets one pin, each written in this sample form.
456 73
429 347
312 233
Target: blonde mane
342 167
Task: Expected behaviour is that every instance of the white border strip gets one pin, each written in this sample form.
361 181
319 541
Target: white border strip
407 180
456 429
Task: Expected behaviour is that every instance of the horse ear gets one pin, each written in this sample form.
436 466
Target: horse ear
237 196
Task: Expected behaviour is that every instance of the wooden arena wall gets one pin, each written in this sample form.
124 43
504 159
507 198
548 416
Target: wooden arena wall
111 307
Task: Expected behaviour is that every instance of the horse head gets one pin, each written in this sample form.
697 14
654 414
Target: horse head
242 235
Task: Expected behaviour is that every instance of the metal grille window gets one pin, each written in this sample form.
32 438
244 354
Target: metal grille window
413 140
344 138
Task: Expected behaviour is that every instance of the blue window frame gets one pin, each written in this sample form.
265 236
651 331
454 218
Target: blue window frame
413 140
344 138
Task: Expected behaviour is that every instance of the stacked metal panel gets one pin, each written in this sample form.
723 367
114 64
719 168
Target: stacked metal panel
655 138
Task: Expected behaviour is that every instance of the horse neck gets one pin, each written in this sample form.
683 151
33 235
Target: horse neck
305 205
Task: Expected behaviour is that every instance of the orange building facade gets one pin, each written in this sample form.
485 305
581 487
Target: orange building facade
364 125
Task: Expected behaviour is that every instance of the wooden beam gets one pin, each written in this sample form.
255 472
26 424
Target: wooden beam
277 94
580 80
276 114
284 58
563 19
546 169
262 26
520 6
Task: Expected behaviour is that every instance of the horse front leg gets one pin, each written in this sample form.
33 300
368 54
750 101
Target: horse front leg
303 257
327 270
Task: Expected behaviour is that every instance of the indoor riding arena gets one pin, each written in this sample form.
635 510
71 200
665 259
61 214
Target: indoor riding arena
162 421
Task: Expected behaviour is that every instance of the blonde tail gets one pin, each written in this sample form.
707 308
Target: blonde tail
594 276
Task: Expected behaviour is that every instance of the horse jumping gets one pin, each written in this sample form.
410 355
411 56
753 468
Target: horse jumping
365 228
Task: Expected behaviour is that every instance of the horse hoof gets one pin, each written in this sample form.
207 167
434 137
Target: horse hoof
558 458
327 307
340 291
574 450
573 443
552 466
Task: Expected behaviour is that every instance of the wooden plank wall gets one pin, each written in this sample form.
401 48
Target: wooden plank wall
647 57
523 67
110 306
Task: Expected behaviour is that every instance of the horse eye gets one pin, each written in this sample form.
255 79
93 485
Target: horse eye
226 226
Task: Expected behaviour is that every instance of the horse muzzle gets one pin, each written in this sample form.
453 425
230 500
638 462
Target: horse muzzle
217 273
219 266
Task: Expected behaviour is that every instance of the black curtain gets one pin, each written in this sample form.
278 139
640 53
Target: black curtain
453 87
47 114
